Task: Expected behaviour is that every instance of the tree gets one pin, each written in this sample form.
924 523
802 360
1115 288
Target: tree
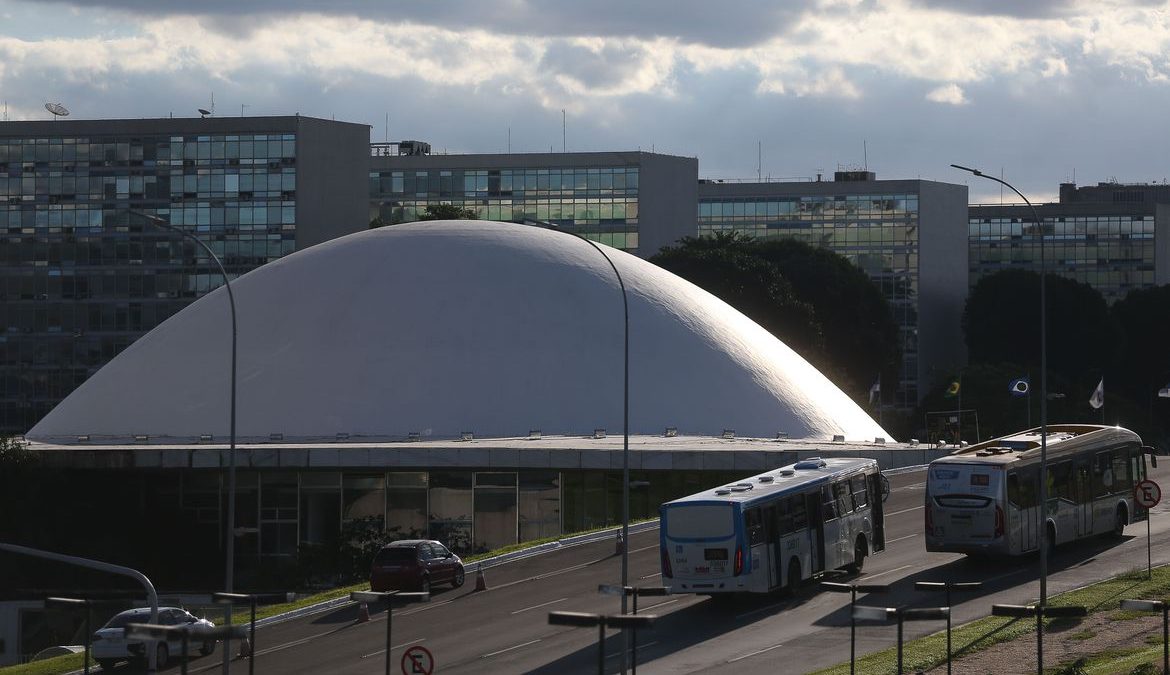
1143 360
1001 323
447 212
814 300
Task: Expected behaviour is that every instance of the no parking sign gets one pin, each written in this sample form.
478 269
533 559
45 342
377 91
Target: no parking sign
1147 494
418 661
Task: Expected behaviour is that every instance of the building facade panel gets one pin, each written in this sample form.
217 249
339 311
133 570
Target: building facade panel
880 226
83 276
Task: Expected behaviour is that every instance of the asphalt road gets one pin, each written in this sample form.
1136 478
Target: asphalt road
505 629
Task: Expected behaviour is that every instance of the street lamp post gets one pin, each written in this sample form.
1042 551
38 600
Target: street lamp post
902 615
231 516
625 410
388 597
74 603
583 619
1039 611
230 599
635 591
853 590
1044 543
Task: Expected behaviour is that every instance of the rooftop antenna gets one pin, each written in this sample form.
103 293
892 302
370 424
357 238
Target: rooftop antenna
509 140
864 156
6 111
387 127
57 109
564 133
759 161
203 113
242 106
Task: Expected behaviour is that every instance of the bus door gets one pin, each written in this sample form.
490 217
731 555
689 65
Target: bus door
761 563
831 537
772 536
1023 499
877 507
816 531
1084 496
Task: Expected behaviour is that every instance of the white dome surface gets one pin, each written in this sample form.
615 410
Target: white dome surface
451 326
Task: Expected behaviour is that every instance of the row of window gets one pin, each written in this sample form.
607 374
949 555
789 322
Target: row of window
161 149
216 183
826 234
504 182
1103 225
1080 480
789 515
807 206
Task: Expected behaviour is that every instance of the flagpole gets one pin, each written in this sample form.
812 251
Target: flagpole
1028 376
880 400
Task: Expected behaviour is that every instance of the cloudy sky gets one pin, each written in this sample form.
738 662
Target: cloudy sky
1044 91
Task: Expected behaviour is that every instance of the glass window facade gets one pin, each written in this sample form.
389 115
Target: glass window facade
1112 253
81 277
600 203
877 232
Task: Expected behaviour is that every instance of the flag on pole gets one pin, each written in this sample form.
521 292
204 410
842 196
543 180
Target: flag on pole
1019 387
1164 392
875 391
952 389
1098 398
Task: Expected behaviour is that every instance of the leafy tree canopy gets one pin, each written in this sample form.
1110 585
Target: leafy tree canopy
814 300
447 212
1001 323
1143 316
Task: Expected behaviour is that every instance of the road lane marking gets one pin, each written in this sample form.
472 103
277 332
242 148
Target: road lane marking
393 647
882 574
631 651
644 548
757 653
762 609
543 604
650 576
915 508
662 604
532 642
909 536
423 608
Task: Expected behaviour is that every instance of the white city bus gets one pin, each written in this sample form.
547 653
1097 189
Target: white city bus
985 498
772 531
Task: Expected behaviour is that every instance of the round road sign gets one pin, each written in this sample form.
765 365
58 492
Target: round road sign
417 661
1147 494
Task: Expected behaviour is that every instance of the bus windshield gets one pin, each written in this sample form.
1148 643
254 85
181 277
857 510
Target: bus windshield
699 521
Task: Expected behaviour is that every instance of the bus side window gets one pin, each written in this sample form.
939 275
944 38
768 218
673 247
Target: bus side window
785 523
1102 475
1013 489
1122 481
843 497
1084 482
799 513
828 504
1060 481
860 494
755 526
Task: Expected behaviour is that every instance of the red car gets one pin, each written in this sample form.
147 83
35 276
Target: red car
415 564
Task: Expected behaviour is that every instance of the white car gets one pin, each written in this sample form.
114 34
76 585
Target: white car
110 644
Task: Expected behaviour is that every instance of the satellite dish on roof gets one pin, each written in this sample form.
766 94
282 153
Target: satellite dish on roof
203 112
57 109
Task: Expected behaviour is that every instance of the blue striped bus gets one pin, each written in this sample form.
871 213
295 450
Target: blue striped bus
774 530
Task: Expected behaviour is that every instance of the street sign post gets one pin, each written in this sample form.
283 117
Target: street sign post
1147 494
418 661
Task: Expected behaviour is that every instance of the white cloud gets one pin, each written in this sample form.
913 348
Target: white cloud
948 93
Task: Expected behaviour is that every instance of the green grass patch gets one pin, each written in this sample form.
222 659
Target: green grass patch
53 666
930 651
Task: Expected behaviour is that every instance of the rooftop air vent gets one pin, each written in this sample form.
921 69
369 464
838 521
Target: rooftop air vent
276 437
534 434
413 436
729 434
810 463
599 433
787 473
766 479
205 438
84 438
466 436
141 438
740 488
879 440
723 491
342 436
670 432
838 438
781 435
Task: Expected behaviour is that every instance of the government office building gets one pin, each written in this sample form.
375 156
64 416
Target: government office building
1114 237
907 235
82 276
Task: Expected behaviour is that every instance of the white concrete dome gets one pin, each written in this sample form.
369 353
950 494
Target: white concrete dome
452 326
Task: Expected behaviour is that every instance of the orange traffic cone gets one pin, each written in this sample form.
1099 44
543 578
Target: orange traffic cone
480 582
363 613
621 544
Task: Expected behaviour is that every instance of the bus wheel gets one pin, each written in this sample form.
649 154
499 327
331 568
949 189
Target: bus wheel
1119 523
859 552
793 576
